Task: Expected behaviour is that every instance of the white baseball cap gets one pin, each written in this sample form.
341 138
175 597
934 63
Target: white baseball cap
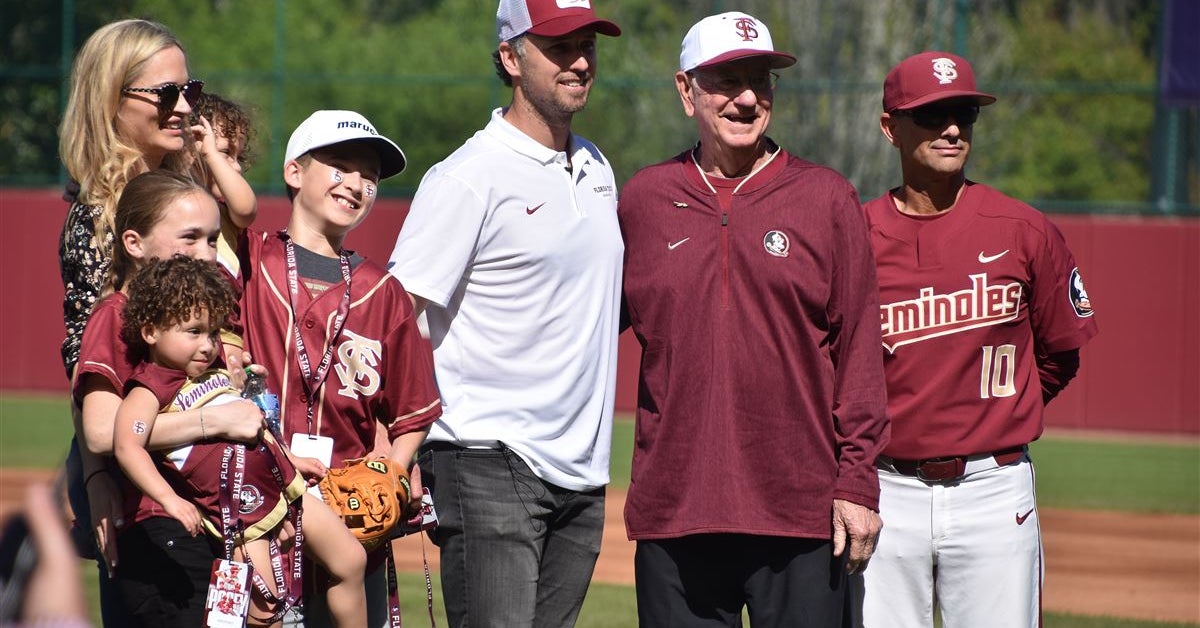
728 36
328 127
549 18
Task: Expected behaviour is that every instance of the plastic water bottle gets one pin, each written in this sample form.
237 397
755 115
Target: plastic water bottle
256 390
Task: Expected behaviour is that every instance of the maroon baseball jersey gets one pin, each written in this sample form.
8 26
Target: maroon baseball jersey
761 393
103 353
968 299
194 470
382 370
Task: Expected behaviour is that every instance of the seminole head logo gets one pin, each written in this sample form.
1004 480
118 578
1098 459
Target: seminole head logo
251 499
777 243
944 70
1078 295
746 29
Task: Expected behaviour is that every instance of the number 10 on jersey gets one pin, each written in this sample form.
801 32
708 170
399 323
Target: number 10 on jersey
998 371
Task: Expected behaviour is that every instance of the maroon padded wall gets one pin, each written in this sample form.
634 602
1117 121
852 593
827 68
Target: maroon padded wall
1141 373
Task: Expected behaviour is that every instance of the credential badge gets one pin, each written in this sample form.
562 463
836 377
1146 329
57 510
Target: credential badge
776 243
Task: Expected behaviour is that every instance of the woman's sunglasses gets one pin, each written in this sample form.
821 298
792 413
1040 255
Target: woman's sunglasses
168 94
935 117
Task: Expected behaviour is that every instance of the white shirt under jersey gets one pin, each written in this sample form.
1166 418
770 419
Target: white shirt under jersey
520 259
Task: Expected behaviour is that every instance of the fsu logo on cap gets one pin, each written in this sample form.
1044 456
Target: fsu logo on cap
776 243
746 29
944 70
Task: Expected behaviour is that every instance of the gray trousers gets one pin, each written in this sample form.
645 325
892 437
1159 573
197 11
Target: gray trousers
515 551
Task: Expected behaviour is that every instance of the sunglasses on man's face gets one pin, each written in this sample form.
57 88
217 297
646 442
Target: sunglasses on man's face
168 94
936 117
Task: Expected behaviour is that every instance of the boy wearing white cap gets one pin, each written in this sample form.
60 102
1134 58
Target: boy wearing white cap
750 284
512 242
336 332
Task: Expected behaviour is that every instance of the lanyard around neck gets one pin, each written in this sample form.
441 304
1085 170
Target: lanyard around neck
311 380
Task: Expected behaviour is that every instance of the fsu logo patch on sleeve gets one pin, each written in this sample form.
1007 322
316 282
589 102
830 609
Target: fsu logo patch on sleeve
1078 295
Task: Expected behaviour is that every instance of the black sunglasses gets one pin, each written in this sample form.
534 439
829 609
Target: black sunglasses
935 117
168 94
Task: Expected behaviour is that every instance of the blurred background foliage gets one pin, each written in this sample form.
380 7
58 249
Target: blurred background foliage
1074 128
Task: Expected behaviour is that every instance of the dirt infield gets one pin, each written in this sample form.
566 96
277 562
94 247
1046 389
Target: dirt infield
1097 563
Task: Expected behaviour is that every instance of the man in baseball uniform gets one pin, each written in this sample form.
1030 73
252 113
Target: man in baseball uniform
983 313
512 247
750 286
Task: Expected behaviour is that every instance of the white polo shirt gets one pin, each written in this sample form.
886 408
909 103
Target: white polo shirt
521 263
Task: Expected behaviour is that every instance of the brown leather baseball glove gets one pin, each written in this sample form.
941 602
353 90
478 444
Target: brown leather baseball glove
369 495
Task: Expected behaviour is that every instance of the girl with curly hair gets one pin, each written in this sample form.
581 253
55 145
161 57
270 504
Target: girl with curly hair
175 311
222 156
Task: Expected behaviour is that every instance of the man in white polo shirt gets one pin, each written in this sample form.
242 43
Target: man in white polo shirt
513 250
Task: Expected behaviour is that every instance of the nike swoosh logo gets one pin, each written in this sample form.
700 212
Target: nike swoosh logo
679 204
671 246
1021 518
530 210
984 259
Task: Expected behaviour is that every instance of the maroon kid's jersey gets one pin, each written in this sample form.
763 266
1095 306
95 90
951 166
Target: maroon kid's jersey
195 470
968 300
381 370
103 353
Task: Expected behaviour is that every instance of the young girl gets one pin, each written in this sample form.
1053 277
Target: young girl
163 571
175 311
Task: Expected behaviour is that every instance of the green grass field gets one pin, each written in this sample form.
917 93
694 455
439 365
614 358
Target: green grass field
1071 473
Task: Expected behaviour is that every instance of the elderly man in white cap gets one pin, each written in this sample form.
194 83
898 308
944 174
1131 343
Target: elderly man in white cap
750 285
513 250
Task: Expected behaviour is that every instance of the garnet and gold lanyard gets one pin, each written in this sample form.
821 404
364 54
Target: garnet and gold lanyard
311 381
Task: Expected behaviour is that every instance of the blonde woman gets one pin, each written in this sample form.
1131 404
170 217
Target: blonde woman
128 109
127 113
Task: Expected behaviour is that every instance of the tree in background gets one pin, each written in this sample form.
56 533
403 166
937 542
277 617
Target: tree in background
1093 141
1075 80
32 85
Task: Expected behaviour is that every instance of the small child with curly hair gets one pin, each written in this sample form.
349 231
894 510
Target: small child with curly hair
221 156
223 147
242 496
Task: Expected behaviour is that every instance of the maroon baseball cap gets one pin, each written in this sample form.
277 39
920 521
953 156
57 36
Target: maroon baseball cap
928 77
548 18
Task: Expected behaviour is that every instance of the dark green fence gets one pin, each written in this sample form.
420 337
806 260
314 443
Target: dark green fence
1078 126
